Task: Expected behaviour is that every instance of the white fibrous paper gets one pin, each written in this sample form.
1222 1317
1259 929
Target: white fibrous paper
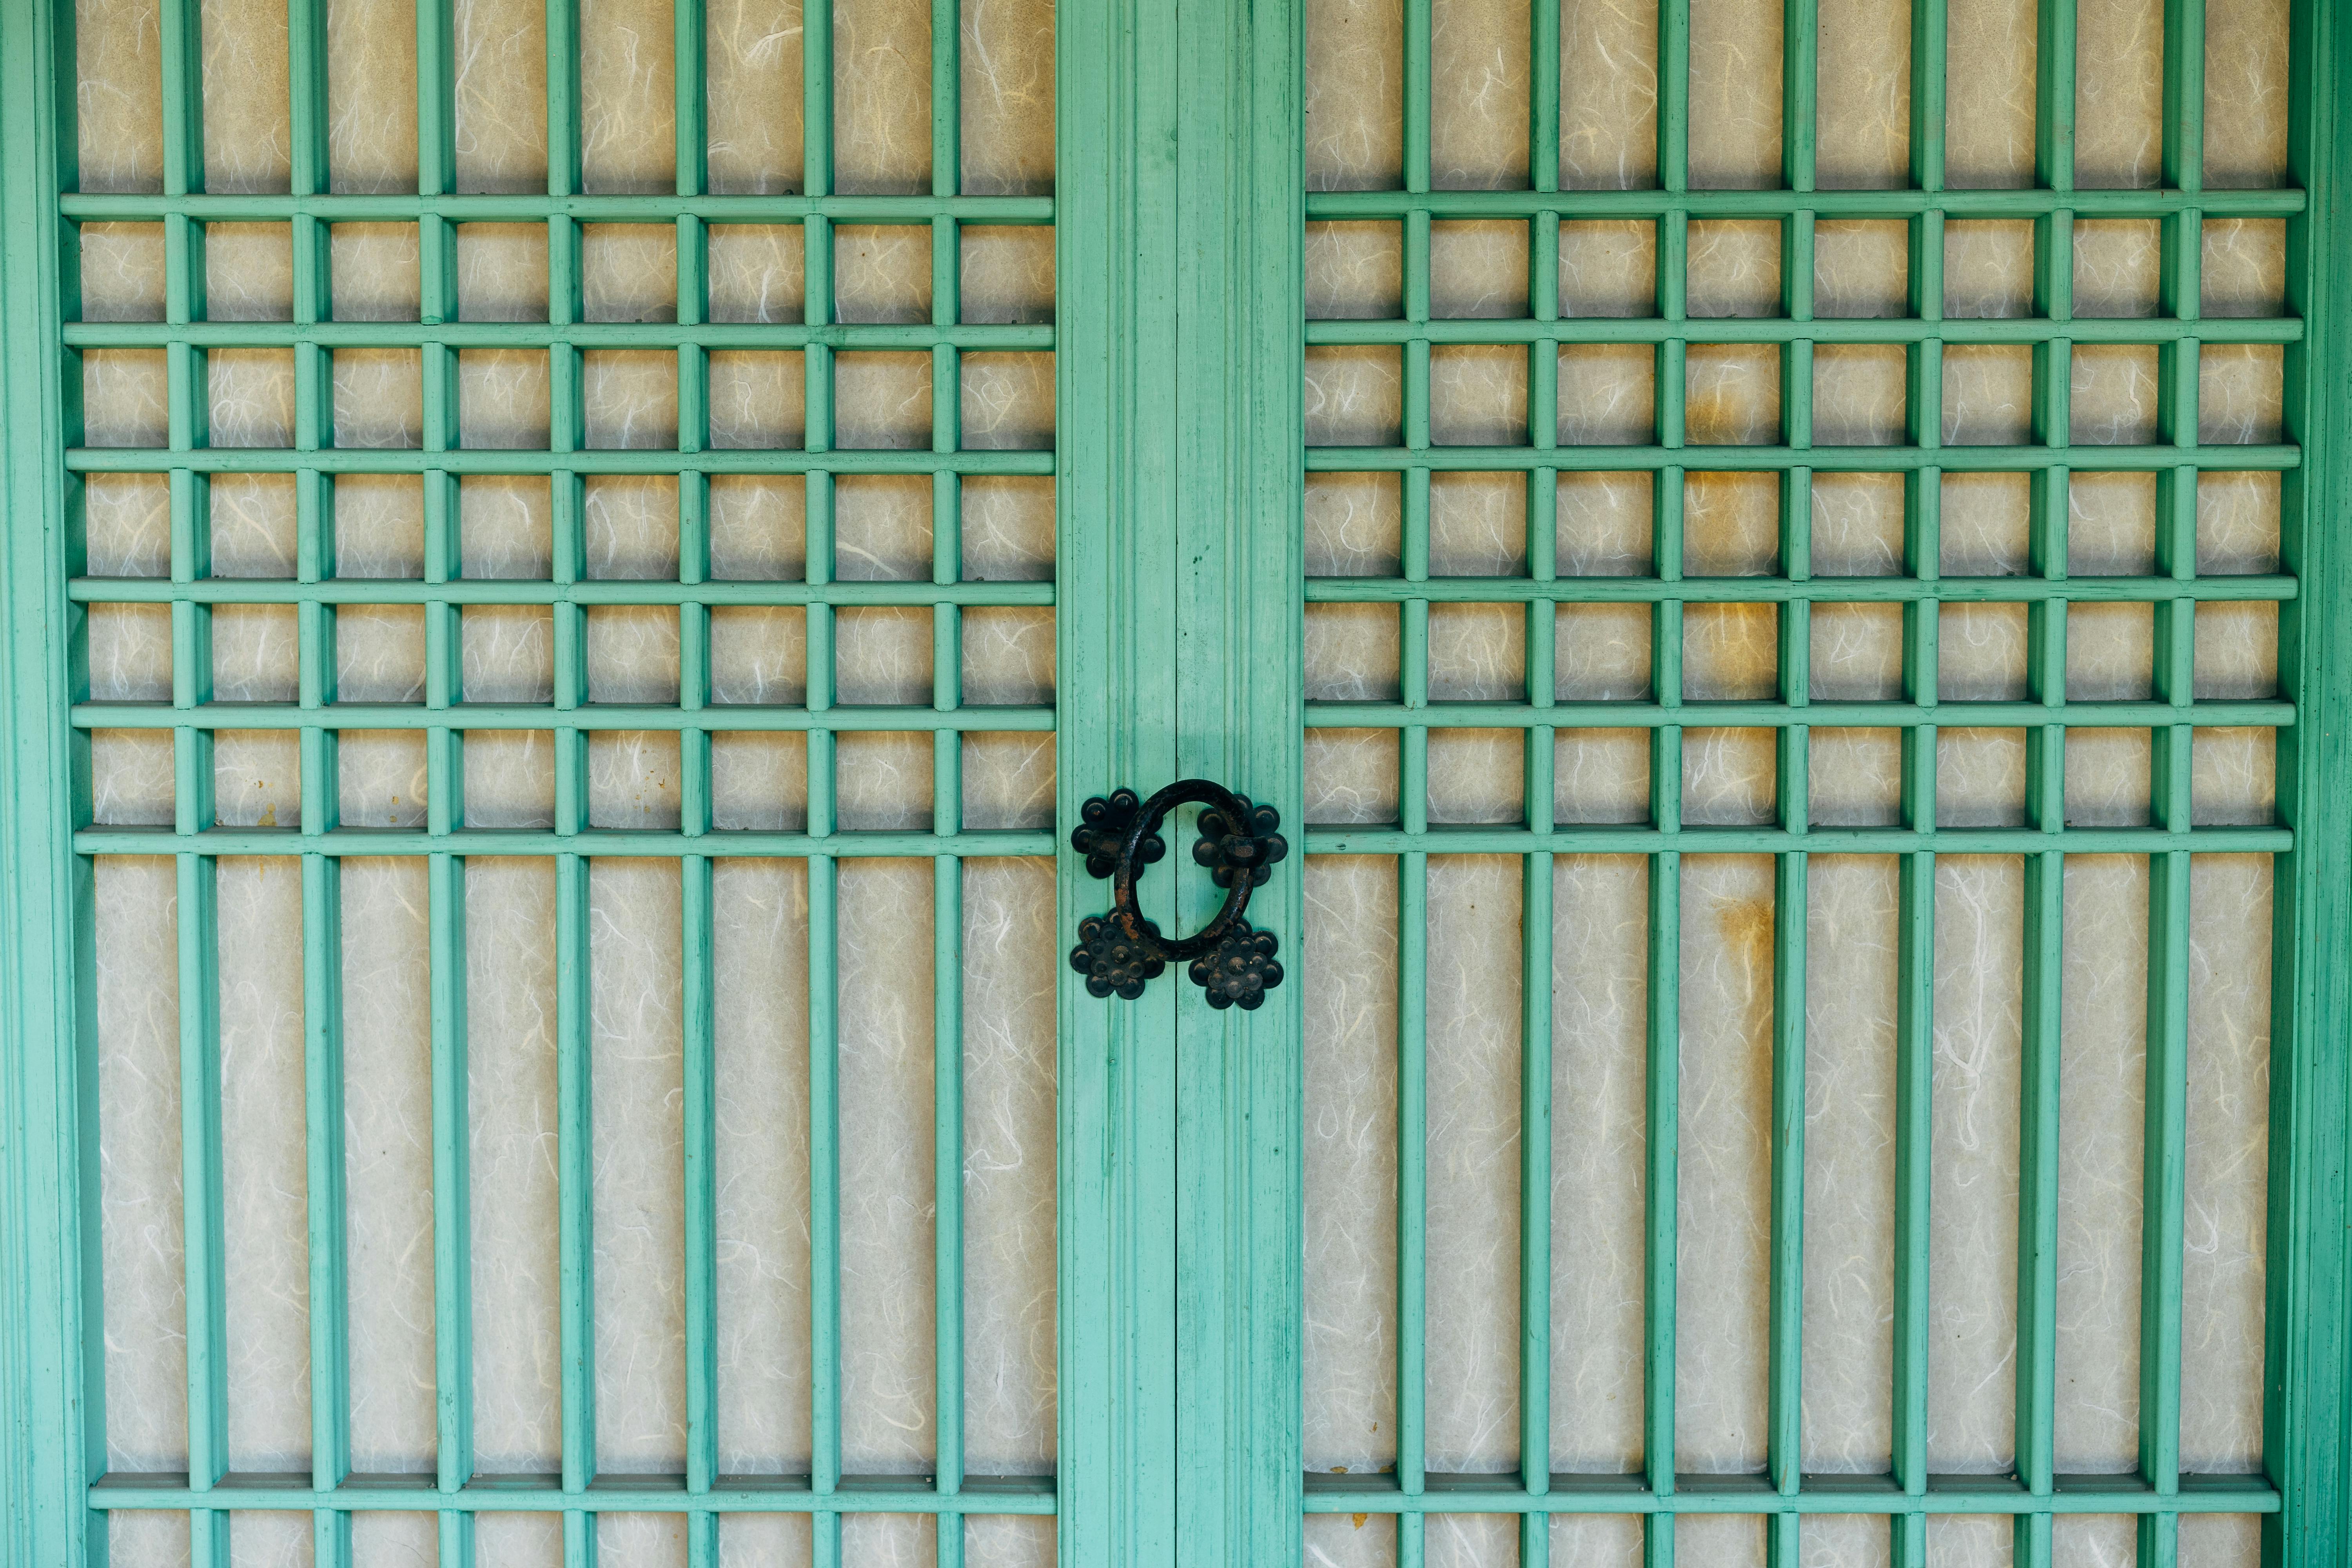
1729 922
635 1030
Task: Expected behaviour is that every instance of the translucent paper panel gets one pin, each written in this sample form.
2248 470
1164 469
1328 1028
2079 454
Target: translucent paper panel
556 1091
1924 998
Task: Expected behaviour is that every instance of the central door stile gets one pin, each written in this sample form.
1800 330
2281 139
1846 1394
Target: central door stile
1239 629
1177 646
1116 654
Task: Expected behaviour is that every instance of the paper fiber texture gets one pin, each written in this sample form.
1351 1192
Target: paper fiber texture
636 1028
1355 396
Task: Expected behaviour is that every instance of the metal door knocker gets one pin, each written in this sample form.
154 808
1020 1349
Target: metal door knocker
1121 952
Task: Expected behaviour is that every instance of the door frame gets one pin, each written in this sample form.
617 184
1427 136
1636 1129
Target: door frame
1179 259
1179 636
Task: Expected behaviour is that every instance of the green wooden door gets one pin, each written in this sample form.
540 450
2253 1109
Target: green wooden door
1251 205
1179 648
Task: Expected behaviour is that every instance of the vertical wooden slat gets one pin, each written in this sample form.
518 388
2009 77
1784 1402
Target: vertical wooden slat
1413 868
1929 52
698 1121
1413 1182
1915 1128
575 1169
698 979
452 1293
575 1131
322 1137
1800 92
2303 1406
1915 994
1543 102
2045 962
1674 108
322 955
2053 102
697 935
2183 164
825 1159
203 1217
1660 1192
199 957
1536 1108
947 783
1536 1262
1418 23
2165 1134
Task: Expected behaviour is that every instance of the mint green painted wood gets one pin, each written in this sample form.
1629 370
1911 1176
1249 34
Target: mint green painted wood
1536 1111
948 1166
1914 1046
1114 657
2304 1411
1240 372
823 870
655 842
202 1217
947 776
1543 122
700 979
453 1294
1799 101
1663 1024
824 1178
522 207
1799 587
1916 869
444 715
1753 1494
1661 1124
1180 366
323 1138
575 718
52 1395
575 1128
1644 715
569 463
680 335
1412 783
700 1138
2039 1125
48 1179
1413 1160
1581 1493
2041 1110
574 1021
1721 329
1536 1108
2170 976
1573 840
540 1494
1670 202
323 958
1727 460
694 591
445 778
1785 1285
2179 460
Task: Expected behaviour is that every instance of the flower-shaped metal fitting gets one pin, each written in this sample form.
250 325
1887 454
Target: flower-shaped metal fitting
1254 846
1102 828
1121 952
1240 969
1115 961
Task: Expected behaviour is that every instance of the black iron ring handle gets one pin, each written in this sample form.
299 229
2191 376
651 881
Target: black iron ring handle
1119 952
